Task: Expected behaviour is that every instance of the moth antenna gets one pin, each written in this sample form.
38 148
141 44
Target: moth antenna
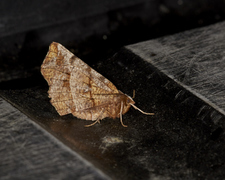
121 111
135 107
133 94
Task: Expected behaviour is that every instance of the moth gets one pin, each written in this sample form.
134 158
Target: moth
74 87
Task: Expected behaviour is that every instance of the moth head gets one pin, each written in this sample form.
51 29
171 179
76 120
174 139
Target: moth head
129 100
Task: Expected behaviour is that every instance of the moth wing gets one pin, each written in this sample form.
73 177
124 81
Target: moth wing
93 94
56 70
74 87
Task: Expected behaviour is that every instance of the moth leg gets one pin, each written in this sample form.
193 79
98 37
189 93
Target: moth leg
97 120
121 113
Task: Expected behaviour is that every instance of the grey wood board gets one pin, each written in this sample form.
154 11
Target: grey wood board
177 143
21 17
195 59
29 152
168 145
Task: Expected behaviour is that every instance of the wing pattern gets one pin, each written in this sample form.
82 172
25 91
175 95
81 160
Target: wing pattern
74 87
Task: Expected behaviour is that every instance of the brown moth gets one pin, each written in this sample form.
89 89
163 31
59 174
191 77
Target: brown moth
74 87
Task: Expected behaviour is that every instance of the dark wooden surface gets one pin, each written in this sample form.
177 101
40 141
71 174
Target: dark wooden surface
94 29
27 151
17 17
195 60
179 78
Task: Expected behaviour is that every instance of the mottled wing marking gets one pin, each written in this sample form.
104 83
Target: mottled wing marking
56 71
77 88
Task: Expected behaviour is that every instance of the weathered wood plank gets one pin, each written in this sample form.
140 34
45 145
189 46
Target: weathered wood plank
19 16
179 142
195 60
28 152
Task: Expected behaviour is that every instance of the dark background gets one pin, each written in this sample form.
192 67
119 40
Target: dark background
94 30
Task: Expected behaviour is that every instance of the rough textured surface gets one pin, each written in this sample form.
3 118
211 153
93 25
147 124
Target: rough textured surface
42 13
195 60
183 140
94 29
28 152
